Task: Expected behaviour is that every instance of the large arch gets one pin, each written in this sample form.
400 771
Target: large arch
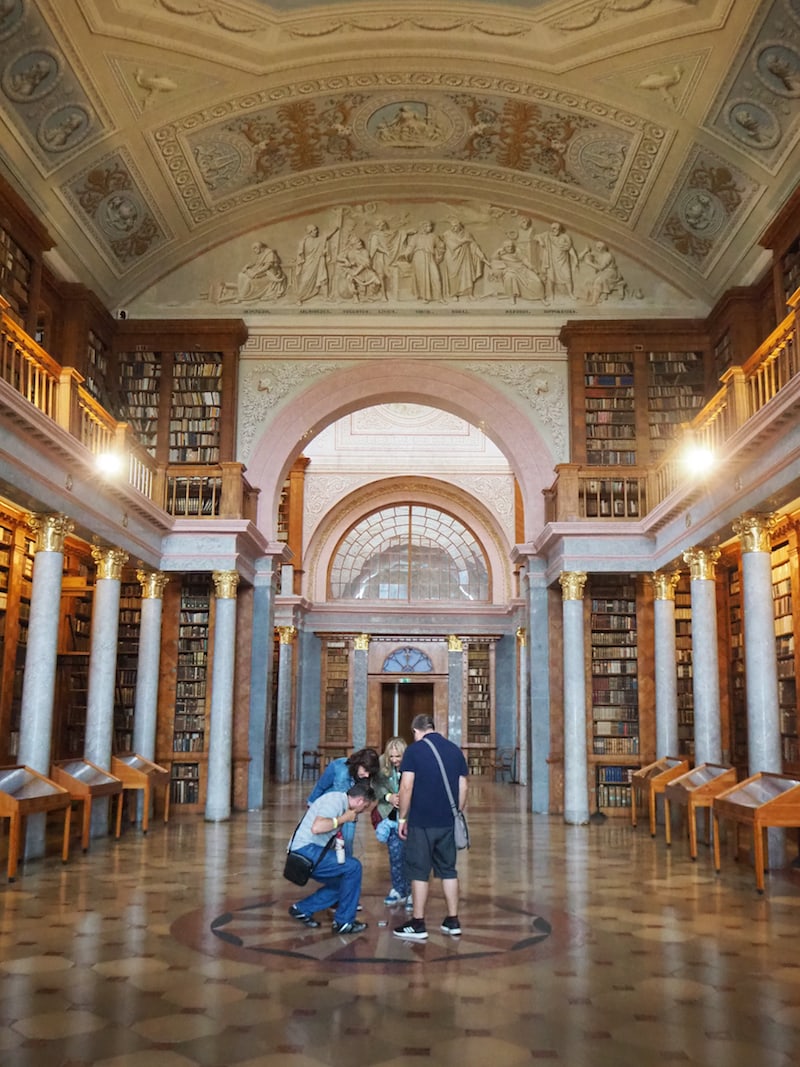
401 381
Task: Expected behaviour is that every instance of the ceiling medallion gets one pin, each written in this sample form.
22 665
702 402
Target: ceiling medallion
409 127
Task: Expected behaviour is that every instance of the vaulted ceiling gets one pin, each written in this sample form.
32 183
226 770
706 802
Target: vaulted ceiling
151 133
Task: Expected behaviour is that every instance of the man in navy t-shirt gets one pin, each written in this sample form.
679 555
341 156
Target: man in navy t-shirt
425 823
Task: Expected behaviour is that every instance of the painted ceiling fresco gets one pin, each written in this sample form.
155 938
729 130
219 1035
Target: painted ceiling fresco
581 157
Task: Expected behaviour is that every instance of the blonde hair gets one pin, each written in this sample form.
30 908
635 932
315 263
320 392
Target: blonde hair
394 744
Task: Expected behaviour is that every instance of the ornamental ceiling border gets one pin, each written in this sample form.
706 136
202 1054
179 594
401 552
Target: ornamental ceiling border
612 152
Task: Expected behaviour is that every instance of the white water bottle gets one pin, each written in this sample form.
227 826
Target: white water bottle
338 844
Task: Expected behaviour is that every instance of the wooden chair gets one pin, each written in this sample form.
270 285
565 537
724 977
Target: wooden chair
503 764
310 764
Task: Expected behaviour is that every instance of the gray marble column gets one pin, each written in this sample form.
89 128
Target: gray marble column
576 764
148 662
103 669
39 678
220 741
666 675
705 655
360 665
760 653
283 730
523 711
455 689
261 666
539 674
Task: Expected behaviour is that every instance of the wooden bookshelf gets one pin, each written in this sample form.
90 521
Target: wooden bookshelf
613 688
784 563
478 661
178 382
195 407
16 573
633 387
736 672
683 666
609 409
15 275
192 693
675 393
140 384
130 615
335 690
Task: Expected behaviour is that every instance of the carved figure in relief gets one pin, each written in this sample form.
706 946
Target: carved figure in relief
357 279
558 261
26 82
785 72
748 122
384 248
607 279
463 261
263 277
663 83
57 136
312 277
424 250
408 129
513 273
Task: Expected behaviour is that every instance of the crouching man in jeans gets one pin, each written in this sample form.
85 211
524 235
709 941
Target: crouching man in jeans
341 882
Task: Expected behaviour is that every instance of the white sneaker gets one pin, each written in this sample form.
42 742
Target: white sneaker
393 897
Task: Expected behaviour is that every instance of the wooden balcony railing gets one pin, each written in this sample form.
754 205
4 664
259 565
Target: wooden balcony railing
583 492
219 491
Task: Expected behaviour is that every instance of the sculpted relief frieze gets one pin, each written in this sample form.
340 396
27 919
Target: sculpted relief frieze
384 258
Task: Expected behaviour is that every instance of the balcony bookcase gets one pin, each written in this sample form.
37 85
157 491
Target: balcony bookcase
16 572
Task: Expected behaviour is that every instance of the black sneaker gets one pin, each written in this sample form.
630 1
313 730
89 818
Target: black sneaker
306 920
451 925
354 927
413 930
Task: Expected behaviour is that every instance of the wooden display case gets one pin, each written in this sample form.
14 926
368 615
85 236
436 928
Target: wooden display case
696 790
138 774
650 781
760 801
25 792
84 781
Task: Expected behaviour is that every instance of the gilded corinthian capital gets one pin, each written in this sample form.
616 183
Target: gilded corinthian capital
286 634
50 531
702 562
572 584
361 643
109 562
225 584
152 583
754 531
665 583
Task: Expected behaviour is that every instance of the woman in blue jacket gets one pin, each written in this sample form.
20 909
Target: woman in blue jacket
339 775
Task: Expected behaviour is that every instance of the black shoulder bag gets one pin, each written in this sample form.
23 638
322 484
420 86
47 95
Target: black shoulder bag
298 867
460 828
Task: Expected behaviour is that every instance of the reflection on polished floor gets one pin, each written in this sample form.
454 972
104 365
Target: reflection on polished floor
589 946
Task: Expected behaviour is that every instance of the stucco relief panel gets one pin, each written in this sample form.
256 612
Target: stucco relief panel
711 198
254 145
44 87
543 390
110 198
758 108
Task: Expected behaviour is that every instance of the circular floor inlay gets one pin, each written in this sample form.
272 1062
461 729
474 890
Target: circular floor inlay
494 929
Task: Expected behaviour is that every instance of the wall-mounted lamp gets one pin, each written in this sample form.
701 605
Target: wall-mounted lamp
109 464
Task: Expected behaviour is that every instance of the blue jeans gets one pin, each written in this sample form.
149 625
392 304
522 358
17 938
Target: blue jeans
341 885
397 849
